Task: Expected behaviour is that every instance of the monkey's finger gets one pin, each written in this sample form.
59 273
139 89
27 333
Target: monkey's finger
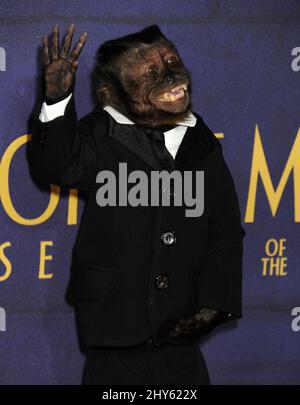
178 329
180 332
46 57
67 42
172 333
187 321
197 327
181 321
175 329
183 328
55 42
74 66
78 48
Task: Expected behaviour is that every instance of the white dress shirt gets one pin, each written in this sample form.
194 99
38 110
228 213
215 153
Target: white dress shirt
173 137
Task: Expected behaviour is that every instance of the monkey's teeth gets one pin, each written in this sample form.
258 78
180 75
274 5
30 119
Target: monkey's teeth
170 96
179 88
174 94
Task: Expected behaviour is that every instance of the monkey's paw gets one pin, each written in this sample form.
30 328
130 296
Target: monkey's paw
202 322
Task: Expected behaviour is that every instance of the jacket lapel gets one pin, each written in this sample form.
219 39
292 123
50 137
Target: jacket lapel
195 145
134 140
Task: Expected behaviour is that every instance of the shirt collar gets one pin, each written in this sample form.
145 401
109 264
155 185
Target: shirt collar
189 121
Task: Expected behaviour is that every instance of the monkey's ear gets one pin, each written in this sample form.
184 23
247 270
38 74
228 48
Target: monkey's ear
103 91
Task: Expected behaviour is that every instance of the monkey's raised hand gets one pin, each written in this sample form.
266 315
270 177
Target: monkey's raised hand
58 67
201 322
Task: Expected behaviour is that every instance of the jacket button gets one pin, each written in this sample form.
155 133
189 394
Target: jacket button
168 238
162 281
42 137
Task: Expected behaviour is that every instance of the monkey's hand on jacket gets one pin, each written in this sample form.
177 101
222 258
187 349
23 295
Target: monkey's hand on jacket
202 322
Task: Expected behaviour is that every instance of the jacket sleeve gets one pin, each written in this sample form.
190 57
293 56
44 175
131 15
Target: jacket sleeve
62 151
219 281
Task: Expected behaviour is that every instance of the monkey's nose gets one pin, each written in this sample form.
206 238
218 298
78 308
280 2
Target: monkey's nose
169 79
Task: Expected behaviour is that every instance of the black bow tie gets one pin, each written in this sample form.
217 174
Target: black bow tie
156 135
163 128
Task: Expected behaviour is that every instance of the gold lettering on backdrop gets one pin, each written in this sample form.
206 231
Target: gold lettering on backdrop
259 167
54 191
274 263
43 258
219 135
72 206
7 263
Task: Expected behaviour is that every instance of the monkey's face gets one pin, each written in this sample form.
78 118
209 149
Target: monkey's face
157 84
165 80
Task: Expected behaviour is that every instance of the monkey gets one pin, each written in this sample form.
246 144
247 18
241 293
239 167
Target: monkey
142 91
144 78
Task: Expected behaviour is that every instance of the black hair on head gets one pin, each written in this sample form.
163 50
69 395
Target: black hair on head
115 47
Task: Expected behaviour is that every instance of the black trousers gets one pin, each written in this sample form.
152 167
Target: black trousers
146 364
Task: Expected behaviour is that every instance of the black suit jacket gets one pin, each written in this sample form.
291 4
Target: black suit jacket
119 254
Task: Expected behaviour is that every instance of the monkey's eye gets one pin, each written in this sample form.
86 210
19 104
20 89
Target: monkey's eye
171 61
152 69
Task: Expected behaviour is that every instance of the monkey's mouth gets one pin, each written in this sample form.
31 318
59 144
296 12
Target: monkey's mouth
174 94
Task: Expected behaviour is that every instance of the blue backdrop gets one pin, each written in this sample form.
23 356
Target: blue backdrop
245 64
